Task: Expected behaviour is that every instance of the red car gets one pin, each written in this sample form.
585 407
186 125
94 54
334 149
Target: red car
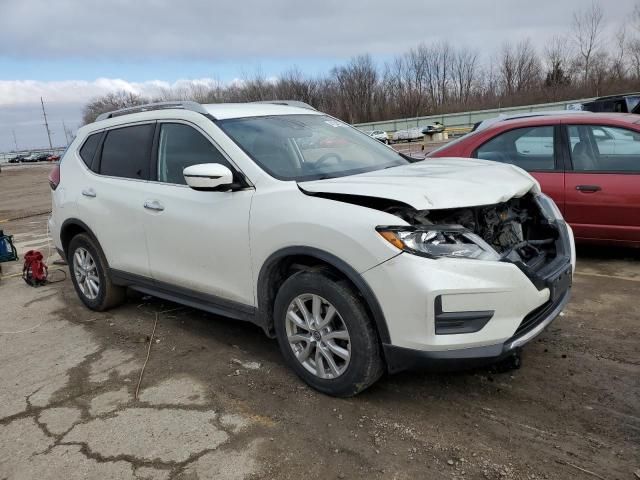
53 158
589 163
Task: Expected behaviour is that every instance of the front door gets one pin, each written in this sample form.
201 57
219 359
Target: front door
197 240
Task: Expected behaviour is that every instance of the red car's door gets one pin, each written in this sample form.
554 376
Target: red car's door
602 199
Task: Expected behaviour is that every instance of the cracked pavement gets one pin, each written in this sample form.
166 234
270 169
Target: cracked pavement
217 402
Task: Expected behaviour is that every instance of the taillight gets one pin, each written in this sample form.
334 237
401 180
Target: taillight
54 177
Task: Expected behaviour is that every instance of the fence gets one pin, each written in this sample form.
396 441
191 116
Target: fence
464 120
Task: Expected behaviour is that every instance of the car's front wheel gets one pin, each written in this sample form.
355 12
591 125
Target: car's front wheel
325 334
90 274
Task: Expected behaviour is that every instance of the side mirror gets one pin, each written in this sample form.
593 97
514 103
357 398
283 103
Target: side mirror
208 177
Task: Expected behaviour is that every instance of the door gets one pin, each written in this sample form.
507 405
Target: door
197 240
603 188
110 198
534 149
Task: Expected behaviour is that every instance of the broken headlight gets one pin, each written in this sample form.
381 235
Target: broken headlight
435 241
548 207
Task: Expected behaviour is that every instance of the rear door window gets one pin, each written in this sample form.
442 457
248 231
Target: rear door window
126 152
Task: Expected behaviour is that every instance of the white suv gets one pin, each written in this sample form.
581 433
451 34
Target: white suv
358 259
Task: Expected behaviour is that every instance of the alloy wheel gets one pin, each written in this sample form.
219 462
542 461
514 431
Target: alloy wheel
85 270
318 336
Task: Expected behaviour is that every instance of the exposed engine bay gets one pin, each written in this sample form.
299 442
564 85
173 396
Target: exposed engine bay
516 229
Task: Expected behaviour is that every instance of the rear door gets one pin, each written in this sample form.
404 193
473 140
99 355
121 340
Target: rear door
603 186
536 149
111 197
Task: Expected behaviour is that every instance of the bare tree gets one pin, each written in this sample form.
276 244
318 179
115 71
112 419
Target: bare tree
519 67
557 64
110 102
357 81
619 63
464 72
587 34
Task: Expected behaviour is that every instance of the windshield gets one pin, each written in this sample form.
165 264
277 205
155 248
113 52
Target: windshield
309 147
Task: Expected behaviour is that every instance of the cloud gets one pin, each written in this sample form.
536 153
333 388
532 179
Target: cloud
15 92
209 30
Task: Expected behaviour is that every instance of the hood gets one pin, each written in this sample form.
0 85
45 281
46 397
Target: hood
435 183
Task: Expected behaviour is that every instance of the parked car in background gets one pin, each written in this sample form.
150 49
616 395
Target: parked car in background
435 127
53 158
31 158
629 103
379 135
16 159
407 135
588 163
357 259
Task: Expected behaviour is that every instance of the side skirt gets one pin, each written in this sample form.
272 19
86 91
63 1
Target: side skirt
184 296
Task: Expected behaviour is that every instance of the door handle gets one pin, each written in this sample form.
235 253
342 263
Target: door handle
154 205
588 188
89 192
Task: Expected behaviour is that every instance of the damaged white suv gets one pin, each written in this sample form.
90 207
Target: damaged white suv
357 259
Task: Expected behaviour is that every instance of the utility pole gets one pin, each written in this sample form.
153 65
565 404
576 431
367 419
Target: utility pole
46 124
14 140
66 135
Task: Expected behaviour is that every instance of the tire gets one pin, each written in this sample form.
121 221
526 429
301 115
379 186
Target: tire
85 256
343 378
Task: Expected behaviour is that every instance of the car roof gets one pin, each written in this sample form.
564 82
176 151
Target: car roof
555 118
224 111
504 117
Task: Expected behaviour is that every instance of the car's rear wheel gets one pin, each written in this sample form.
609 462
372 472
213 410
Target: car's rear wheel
90 274
325 334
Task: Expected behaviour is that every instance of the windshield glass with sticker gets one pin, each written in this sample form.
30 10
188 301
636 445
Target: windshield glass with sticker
309 147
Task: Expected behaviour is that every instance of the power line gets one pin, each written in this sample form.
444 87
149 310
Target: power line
46 124
66 134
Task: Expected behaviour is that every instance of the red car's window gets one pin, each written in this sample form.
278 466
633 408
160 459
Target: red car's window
601 148
531 148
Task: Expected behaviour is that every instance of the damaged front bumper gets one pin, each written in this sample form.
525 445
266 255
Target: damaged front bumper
456 313
399 358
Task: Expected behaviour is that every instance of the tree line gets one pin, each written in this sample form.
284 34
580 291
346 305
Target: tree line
442 77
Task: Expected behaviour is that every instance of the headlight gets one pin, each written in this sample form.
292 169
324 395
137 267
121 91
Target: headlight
548 207
434 241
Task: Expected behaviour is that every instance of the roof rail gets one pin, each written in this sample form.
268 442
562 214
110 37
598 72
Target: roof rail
147 107
291 103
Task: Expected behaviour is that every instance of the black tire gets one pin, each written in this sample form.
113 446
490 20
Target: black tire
109 295
365 365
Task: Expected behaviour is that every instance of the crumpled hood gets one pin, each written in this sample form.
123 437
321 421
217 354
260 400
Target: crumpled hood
435 183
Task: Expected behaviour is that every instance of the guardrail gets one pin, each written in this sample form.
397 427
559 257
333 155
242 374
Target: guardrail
463 119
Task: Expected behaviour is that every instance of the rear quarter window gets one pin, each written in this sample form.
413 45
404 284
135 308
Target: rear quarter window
88 150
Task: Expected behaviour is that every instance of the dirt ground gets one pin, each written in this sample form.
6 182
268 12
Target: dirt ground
217 402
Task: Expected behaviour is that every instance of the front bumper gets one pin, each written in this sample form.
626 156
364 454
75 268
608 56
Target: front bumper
458 311
399 358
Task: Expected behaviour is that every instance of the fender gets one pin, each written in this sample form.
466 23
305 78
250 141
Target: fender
71 222
340 265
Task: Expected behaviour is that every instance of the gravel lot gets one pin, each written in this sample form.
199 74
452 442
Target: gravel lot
216 400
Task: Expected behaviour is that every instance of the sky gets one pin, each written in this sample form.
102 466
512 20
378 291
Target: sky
69 51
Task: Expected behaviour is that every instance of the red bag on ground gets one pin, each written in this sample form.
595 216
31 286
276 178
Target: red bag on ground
34 271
